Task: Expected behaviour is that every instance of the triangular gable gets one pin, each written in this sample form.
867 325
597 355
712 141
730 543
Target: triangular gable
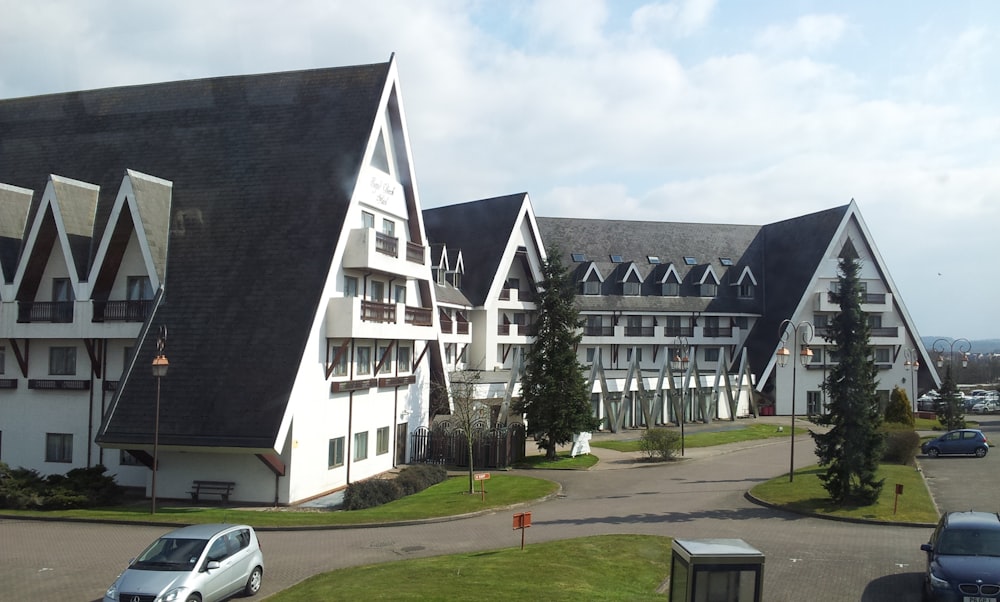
65 214
708 275
668 273
14 205
630 271
142 207
458 263
592 269
746 274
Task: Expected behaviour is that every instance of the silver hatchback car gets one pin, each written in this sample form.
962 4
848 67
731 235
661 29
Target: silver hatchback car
200 563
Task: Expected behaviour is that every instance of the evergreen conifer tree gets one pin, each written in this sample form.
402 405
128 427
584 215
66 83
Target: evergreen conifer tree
950 408
850 450
899 410
554 395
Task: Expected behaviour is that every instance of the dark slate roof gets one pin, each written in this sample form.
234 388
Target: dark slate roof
636 241
262 168
481 230
793 250
14 206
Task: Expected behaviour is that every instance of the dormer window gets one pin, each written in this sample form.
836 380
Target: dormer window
671 288
630 289
708 289
592 287
456 279
746 290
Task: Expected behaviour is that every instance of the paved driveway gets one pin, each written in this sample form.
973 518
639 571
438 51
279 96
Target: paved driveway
806 558
967 483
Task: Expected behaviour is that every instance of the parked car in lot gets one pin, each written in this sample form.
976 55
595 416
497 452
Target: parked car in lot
200 563
959 441
983 407
963 558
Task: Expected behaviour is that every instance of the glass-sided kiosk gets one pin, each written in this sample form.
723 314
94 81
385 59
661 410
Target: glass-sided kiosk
715 570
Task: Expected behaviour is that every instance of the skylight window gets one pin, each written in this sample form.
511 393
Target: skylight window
653 259
726 260
617 259
578 257
688 260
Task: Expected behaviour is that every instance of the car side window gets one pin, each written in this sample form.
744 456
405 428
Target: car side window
219 549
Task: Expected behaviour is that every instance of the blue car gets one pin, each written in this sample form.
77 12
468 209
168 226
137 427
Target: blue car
963 558
961 441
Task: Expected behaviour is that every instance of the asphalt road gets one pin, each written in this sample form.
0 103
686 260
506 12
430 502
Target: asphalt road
806 558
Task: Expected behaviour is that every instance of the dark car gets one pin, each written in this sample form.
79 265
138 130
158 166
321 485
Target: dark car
963 558
960 441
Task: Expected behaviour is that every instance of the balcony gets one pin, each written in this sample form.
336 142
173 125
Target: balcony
65 385
356 318
60 312
718 332
523 331
640 331
678 331
122 311
870 302
517 296
369 249
889 332
598 331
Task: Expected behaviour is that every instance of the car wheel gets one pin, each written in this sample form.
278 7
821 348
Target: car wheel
933 452
194 598
254 581
980 452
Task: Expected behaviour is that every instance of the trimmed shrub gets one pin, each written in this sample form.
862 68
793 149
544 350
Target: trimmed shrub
417 477
21 488
660 443
370 493
901 446
899 411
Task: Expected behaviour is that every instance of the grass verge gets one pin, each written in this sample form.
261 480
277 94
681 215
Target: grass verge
748 432
806 494
563 461
605 567
444 499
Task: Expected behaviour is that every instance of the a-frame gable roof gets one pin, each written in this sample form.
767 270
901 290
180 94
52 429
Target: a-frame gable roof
745 274
481 229
263 168
14 205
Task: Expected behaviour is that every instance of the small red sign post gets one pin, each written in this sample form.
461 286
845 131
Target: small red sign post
899 492
522 521
482 477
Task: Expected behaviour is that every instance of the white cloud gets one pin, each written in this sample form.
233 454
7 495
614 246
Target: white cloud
809 33
678 19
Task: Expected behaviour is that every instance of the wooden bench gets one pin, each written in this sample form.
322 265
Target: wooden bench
220 488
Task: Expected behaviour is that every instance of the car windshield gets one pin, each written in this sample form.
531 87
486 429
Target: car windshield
170 554
969 542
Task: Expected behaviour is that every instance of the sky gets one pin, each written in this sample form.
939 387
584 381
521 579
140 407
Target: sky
715 111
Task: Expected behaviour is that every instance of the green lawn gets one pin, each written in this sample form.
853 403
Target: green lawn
747 432
806 494
606 567
444 499
563 461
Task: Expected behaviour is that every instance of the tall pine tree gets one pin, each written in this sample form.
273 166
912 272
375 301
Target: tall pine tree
554 395
850 450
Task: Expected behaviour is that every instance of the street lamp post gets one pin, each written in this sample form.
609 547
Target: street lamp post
912 363
160 365
939 347
681 364
801 334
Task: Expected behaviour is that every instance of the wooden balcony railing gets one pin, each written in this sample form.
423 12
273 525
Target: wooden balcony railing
718 331
463 327
122 311
678 331
598 331
419 316
639 331
373 311
414 252
387 245
447 326
45 311
885 331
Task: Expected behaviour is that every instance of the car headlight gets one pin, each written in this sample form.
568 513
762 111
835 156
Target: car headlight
172 596
112 593
938 582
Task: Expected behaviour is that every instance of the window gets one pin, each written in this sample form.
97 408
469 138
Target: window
364 360
389 227
821 321
711 354
746 290
709 289
630 288
741 322
449 353
638 354
874 321
591 351
403 359
673 325
817 357
456 279
688 260
335 453
382 441
360 446
726 261
127 459
367 220
883 355
58 447
513 283
813 402
592 287
439 275
377 291
350 286
400 294
385 357
617 259
671 288
138 288
578 257
62 291
340 363
653 259
62 361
